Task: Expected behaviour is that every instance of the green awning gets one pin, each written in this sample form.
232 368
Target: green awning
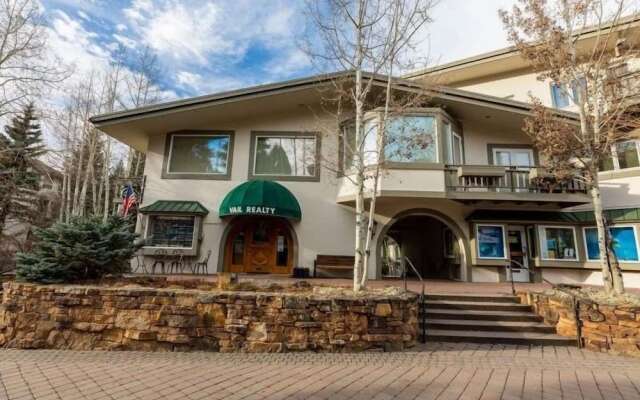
261 198
577 217
175 207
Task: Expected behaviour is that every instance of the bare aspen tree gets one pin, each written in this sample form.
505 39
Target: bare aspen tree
26 66
371 38
553 37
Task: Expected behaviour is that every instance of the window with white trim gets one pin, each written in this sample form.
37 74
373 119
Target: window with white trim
624 243
491 241
623 155
170 231
558 243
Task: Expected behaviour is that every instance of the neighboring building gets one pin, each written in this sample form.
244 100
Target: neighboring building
18 233
239 175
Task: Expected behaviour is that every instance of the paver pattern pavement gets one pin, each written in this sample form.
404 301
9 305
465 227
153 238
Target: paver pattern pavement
431 371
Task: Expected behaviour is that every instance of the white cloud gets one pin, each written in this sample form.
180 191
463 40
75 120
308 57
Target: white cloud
125 41
75 45
83 15
121 27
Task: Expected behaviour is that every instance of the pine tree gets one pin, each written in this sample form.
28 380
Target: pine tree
83 249
20 146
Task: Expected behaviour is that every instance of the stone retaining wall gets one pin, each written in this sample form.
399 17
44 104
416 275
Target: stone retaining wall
605 328
88 318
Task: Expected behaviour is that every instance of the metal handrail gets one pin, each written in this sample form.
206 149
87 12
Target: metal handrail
423 314
513 286
576 310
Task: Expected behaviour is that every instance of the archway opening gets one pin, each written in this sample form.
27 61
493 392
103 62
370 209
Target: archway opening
427 242
259 245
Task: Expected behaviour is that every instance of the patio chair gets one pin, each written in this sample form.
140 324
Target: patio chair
202 264
140 265
177 264
160 258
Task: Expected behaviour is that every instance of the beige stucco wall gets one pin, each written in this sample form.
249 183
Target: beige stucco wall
325 228
514 86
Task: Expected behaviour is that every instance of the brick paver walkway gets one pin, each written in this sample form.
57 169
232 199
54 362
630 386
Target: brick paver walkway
434 371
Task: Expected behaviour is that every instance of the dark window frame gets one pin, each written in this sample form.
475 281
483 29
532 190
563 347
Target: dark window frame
189 175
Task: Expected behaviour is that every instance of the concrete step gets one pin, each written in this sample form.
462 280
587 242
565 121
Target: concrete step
477 305
499 337
473 298
480 325
482 315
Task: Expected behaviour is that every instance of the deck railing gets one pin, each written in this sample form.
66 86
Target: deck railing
514 179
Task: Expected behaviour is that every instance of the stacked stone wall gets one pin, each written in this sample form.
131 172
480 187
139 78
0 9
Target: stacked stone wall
604 328
104 318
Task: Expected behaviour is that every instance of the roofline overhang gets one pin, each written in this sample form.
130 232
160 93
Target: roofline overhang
441 92
511 51
228 96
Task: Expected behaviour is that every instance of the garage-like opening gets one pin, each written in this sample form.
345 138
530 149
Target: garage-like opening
427 242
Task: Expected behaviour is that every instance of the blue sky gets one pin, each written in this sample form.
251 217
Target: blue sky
204 46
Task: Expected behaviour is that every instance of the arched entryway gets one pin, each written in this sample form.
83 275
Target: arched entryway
259 237
430 240
259 245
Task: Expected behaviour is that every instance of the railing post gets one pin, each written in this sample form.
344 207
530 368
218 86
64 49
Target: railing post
576 311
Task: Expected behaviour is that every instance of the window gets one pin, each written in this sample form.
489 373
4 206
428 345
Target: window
199 154
491 241
450 244
513 157
453 143
562 97
370 145
170 231
293 156
627 154
411 139
625 244
623 155
558 243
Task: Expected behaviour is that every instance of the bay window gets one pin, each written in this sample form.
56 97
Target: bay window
411 139
624 243
558 243
170 231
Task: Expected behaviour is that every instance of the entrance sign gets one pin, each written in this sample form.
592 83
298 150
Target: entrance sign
252 210
263 198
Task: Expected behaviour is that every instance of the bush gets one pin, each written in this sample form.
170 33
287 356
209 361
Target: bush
83 249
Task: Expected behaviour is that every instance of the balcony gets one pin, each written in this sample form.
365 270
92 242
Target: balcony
471 183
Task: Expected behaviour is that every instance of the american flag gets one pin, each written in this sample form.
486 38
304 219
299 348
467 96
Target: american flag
128 199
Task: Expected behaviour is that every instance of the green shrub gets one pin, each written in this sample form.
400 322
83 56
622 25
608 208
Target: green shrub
83 249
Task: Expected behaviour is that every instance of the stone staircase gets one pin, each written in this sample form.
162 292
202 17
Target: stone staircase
494 319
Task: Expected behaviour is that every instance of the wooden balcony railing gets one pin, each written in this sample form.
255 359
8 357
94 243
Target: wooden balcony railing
625 86
481 178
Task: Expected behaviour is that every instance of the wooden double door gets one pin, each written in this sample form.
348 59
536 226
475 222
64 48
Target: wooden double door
259 245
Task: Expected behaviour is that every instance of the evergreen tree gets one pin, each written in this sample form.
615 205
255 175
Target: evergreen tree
83 249
20 146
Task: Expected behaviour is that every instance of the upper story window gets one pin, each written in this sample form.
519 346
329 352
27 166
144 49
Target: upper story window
623 155
520 157
285 155
563 96
412 139
350 148
453 144
198 155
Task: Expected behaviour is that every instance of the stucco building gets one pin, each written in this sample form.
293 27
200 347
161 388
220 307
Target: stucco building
239 180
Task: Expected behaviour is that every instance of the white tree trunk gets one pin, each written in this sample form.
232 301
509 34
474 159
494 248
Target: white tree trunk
611 273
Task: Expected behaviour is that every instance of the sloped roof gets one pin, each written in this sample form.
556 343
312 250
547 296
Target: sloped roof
175 207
